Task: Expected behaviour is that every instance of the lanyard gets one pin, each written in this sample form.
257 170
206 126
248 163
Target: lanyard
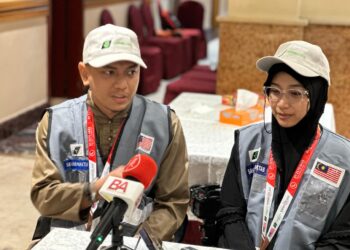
92 148
288 195
93 159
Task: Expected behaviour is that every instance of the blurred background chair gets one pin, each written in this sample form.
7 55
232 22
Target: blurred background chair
200 79
190 14
183 48
169 21
150 78
171 50
106 17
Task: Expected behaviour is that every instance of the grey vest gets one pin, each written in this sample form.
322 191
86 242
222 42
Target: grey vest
316 202
67 126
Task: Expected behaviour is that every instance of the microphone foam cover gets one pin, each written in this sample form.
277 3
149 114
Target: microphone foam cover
142 168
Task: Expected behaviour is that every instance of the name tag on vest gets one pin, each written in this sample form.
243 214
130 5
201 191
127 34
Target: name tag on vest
76 164
256 168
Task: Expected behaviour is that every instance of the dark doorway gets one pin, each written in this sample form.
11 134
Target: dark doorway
65 47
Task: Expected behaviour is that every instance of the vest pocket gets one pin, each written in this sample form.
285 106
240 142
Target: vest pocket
258 183
74 176
316 200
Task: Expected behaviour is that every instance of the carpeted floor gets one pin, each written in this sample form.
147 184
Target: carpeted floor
21 143
17 214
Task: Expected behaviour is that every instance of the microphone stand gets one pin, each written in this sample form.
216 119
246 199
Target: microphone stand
111 220
117 229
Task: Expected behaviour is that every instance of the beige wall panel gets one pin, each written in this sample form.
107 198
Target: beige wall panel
335 42
241 44
326 11
23 49
280 8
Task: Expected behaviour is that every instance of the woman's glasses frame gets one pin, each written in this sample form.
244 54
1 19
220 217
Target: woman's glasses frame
275 94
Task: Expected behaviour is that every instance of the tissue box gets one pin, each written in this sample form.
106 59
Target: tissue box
229 100
242 117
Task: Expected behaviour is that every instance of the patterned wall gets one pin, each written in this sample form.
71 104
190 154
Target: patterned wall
335 42
241 44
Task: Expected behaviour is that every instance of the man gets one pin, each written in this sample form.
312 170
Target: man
83 141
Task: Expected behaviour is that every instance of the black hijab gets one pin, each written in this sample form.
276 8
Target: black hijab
289 144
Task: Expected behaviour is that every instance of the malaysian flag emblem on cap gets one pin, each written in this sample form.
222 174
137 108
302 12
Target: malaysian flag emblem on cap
145 143
327 172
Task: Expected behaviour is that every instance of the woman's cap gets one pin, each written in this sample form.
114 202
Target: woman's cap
304 58
109 43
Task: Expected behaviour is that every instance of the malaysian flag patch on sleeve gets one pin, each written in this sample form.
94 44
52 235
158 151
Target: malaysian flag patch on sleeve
145 143
327 172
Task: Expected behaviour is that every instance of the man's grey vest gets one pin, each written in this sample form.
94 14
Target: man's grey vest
317 201
67 126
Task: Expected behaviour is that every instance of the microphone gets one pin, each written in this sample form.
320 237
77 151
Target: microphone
141 168
124 195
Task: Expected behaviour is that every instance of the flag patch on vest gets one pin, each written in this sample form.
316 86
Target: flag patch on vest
254 154
77 149
145 143
327 172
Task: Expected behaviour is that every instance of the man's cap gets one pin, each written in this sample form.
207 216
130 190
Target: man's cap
110 43
304 58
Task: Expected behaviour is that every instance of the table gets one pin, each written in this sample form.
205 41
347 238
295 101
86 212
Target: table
68 239
209 142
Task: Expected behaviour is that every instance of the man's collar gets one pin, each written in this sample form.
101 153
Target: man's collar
98 113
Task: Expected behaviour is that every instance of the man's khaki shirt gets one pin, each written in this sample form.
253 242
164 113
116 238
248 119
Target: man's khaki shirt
58 199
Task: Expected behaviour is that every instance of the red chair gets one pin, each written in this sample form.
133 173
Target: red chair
150 78
191 14
199 80
185 52
188 85
194 34
200 72
106 17
171 49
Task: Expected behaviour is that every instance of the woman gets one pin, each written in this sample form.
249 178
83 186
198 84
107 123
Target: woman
287 183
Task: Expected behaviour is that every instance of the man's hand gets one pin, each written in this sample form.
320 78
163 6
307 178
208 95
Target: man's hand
95 187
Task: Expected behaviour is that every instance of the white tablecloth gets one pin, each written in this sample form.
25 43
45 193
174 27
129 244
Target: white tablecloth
209 142
67 239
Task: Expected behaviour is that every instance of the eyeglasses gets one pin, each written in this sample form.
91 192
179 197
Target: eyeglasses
274 94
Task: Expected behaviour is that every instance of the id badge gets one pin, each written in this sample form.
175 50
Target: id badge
76 169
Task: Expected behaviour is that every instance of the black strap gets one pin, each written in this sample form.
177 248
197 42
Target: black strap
42 228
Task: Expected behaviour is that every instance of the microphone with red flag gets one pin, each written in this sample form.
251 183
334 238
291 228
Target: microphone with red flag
138 174
141 168
124 195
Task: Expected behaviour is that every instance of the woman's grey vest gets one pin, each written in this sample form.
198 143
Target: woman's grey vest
147 131
317 201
